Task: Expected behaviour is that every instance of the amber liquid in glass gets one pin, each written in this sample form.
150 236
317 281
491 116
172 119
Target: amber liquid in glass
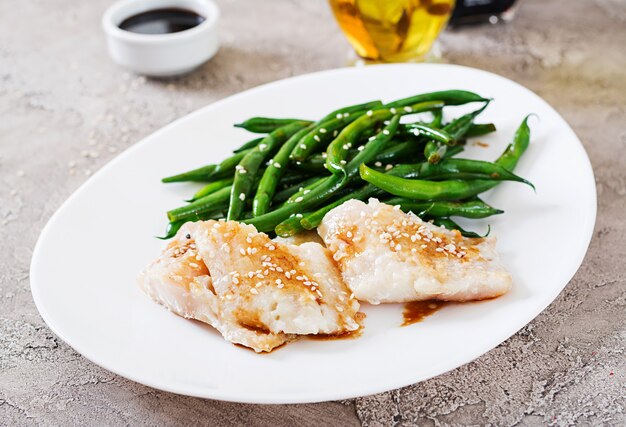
392 30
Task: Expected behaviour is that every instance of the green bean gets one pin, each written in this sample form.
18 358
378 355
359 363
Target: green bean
338 148
480 129
453 151
458 169
402 150
326 188
474 208
274 172
200 174
419 189
294 178
214 202
313 219
372 148
264 124
210 188
248 167
250 144
435 151
172 229
304 190
227 166
440 135
320 135
286 193
453 189
437 118
318 195
352 109
289 227
451 225
449 97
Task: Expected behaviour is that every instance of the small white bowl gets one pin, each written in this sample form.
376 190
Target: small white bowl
161 55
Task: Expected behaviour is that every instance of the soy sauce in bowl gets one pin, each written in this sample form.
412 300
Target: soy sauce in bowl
162 21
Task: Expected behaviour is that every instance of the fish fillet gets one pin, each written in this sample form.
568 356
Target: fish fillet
386 255
255 292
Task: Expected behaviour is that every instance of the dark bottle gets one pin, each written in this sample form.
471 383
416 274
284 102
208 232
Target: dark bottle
482 11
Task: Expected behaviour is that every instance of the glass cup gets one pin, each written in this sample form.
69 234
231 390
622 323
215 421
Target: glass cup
392 30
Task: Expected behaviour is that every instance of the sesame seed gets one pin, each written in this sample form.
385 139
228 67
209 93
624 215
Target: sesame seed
318 293
254 291
343 162
303 146
317 138
271 247
335 133
277 165
262 147
299 199
339 309
439 249
378 164
398 247
385 131
346 115
392 110
349 234
300 215
242 196
346 146
338 115
369 113
388 167
361 148
424 246
235 280
323 130
248 239
242 251
408 109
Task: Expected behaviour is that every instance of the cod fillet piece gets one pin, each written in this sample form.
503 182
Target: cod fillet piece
256 292
386 255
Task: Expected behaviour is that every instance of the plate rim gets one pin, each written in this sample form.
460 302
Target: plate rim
284 397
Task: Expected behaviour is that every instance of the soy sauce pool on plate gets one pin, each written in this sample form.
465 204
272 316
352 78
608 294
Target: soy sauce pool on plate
162 21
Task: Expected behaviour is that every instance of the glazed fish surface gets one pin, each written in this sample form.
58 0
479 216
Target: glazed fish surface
386 255
257 292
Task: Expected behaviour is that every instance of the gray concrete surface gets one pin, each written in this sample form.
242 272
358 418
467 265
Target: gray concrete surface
65 110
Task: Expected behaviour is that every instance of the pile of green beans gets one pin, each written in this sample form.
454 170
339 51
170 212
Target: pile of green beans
401 152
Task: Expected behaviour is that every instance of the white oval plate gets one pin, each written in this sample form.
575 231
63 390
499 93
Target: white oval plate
87 258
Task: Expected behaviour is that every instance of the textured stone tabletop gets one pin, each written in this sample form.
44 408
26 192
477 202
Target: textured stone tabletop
66 110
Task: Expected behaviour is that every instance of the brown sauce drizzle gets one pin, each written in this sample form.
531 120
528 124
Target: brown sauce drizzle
417 311
345 336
